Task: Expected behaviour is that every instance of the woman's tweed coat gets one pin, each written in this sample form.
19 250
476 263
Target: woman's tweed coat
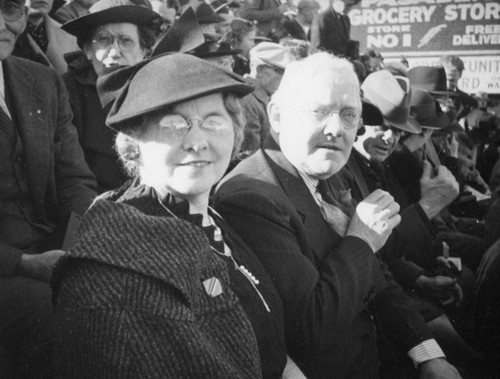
130 302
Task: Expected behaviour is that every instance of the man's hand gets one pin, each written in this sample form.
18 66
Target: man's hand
442 288
374 219
39 266
437 369
437 191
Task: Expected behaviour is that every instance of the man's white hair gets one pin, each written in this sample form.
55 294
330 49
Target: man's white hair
299 74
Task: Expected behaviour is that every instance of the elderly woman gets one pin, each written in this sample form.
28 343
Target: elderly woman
116 32
156 283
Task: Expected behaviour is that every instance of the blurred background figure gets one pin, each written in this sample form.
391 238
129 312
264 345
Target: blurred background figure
299 26
73 9
114 33
268 13
242 38
43 41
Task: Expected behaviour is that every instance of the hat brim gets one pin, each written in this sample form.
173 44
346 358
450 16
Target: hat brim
222 53
133 14
453 127
213 19
411 126
443 93
440 121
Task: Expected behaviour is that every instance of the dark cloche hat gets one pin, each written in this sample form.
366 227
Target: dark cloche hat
109 12
166 80
431 79
427 111
205 14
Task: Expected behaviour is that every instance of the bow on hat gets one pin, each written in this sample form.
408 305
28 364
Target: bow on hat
184 35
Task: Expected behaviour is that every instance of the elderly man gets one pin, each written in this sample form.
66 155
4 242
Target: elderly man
43 177
44 41
268 61
288 205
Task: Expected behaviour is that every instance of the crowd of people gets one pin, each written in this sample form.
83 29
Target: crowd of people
231 190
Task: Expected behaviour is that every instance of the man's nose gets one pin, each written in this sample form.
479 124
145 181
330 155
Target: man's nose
334 125
388 136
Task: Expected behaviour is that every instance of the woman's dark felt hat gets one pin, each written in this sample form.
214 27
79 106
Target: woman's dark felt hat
426 110
166 80
110 12
215 45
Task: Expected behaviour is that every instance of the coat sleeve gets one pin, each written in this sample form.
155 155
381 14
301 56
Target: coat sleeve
319 299
75 183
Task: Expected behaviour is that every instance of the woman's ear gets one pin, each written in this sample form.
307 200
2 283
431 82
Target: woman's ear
273 112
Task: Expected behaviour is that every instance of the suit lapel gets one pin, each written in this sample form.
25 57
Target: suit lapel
358 176
30 112
317 229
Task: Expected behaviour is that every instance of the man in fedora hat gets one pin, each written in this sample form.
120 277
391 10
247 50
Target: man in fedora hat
299 26
415 238
43 178
288 204
268 61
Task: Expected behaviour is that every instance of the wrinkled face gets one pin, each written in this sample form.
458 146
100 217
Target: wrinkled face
378 142
318 125
10 30
187 163
247 42
113 45
39 7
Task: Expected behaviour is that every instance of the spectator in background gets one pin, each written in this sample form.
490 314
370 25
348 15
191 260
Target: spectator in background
242 38
454 68
331 30
73 9
43 179
43 41
267 13
116 32
299 26
268 61
372 60
206 16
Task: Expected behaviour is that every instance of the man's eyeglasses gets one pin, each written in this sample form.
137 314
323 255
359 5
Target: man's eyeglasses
11 10
176 127
105 41
350 117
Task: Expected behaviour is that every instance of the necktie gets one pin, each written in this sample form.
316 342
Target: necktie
6 125
336 212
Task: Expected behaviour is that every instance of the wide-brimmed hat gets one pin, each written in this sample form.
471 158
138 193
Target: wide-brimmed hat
272 54
215 45
391 94
430 79
163 81
205 14
427 111
110 12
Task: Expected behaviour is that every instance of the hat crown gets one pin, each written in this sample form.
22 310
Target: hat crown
426 110
432 79
384 90
106 4
271 53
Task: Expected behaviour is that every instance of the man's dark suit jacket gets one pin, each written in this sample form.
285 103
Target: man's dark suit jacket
58 177
327 282
330 31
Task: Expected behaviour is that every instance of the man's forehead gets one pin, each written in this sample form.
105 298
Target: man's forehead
328 86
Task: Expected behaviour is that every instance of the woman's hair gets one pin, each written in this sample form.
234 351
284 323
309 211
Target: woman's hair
127 146
147 37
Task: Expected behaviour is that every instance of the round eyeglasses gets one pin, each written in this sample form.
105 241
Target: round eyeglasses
350 117
11 10
176 127
105 41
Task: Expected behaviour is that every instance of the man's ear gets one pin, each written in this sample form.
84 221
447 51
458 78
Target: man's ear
273 112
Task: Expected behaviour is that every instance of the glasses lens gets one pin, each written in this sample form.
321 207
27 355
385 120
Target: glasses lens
350 117
173 126
11 10
126 43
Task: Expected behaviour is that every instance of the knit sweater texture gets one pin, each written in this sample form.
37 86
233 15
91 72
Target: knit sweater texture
130 302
